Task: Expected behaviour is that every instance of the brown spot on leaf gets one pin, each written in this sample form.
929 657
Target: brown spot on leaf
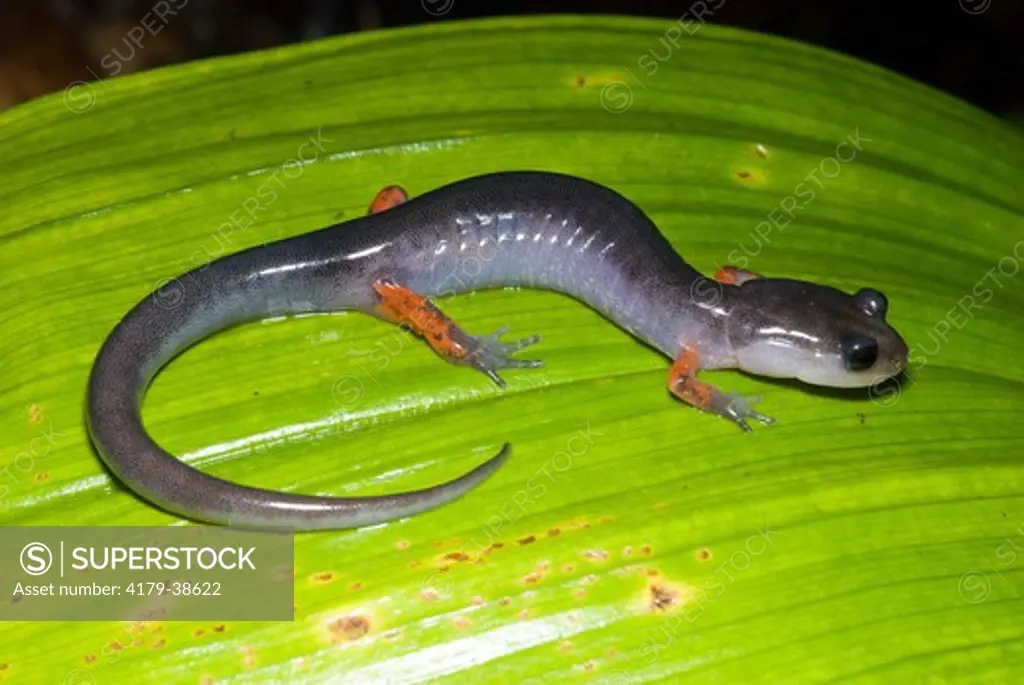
742 174
90 658
605 519
646 550
159 643
527 540
219 628
532 578
554 532
569 568
35 414
662 598
579 594
323 577
414 563
198 632
653 573
357 585
42 475
115 645
703 554
589 665
350 627
456 556
504 601
581 80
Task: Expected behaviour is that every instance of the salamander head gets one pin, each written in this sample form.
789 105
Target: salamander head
817 334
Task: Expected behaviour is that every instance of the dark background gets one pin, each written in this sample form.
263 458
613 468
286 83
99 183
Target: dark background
970 48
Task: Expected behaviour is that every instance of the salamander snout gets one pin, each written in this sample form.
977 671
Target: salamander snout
817 334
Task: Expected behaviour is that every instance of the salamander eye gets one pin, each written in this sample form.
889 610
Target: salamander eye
871 302
859 352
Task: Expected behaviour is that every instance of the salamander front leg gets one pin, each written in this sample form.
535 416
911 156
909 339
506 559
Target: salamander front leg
486 353
733 275
683 383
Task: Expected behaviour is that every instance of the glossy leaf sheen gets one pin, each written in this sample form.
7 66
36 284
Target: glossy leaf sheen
875 510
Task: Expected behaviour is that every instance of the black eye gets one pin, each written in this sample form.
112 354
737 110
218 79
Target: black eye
859 352
871 302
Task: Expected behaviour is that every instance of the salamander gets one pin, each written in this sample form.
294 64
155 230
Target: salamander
526 229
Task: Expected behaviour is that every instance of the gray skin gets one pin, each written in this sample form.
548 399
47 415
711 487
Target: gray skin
528 229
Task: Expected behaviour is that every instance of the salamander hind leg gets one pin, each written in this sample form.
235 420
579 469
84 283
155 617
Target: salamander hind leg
683 383
389 197
485 353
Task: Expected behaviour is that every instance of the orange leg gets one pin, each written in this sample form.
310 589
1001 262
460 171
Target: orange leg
486 353
389 197
683 383
734 275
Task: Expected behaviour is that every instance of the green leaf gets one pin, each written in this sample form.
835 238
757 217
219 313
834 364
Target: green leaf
626 539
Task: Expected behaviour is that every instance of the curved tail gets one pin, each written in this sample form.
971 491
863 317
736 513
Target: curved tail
154 332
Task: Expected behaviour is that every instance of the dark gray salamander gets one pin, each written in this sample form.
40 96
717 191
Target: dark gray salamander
529 229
